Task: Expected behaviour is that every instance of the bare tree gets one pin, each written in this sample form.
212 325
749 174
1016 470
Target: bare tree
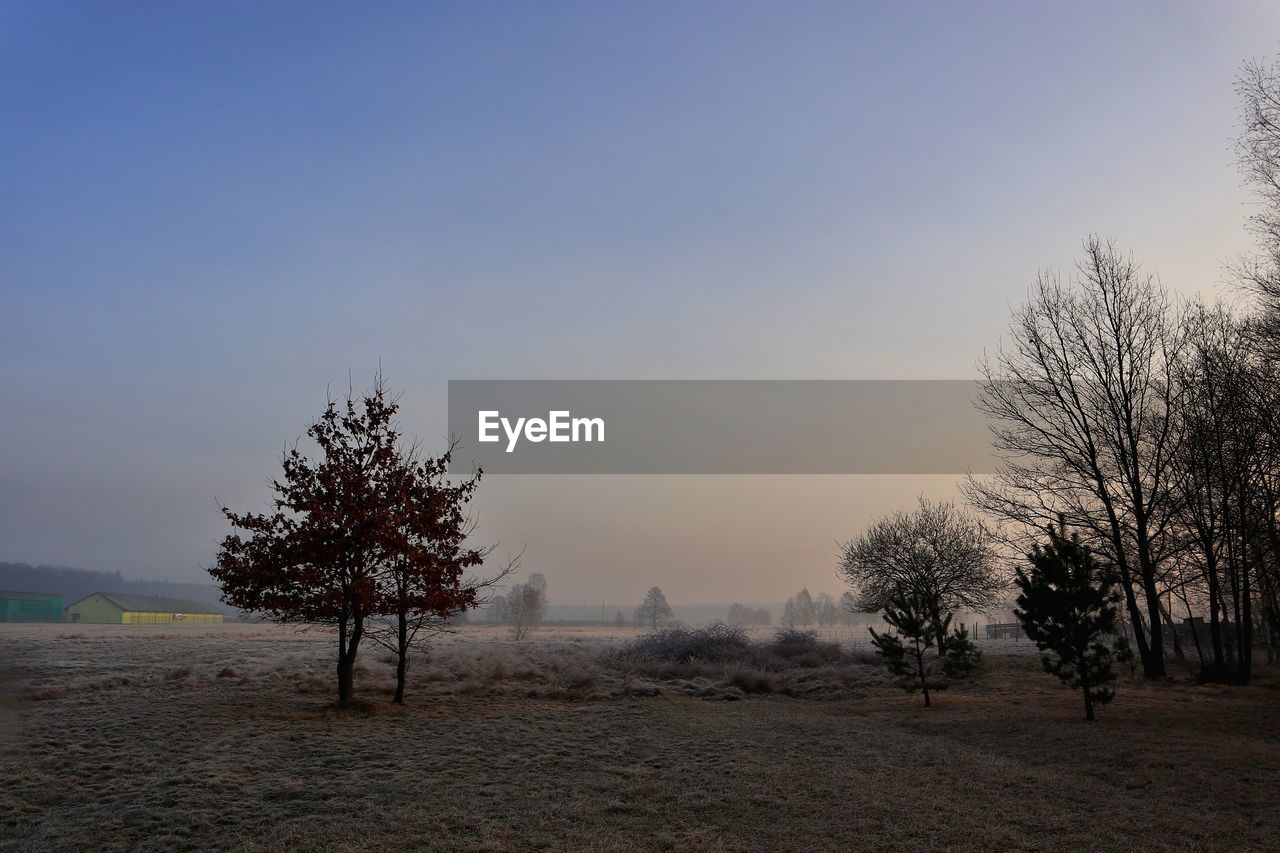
654 609
825 607
740 614
848 608
1228 472
806 613
1258 149
1083 406
1258 152
937 554
527 603
421 585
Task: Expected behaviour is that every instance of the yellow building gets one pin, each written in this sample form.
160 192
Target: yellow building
109 608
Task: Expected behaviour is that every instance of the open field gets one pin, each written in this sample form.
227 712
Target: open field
163 736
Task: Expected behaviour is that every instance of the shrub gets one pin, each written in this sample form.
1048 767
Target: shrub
802 648
713 642
751 680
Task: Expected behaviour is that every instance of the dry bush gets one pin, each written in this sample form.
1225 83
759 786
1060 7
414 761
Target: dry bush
749 679
713 642
719 662
802 648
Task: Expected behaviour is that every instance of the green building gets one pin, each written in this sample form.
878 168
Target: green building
110 608
30 606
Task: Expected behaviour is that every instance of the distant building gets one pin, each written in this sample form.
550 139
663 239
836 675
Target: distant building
30 606
109 608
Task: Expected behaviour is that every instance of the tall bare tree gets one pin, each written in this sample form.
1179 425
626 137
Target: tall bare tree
1258 153
1258 150
1083 406
1213 473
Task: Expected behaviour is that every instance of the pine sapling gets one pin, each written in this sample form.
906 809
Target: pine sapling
1067 606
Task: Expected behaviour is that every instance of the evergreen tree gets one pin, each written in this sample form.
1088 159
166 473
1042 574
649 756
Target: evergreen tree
962 654
908 656
1067 606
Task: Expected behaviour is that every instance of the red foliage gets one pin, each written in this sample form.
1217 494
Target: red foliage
370 529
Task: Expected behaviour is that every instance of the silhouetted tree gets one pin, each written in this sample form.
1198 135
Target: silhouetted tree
421 555
806 614
789 613
1083 406
1066 604
938 557
908 653
1258 151
825 608
847 608
740 614
370 529
1258 147
654 609
1227 477
318 556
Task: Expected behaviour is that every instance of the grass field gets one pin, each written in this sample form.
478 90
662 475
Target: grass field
162 737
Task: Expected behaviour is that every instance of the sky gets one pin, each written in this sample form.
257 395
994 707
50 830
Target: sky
211 213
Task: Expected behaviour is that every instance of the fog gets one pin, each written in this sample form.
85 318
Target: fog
194 253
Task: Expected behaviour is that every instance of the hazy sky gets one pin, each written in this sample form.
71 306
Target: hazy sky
210 212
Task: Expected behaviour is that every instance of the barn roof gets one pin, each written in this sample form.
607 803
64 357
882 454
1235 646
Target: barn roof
156 604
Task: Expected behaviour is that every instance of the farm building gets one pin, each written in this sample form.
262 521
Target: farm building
109 608
30 606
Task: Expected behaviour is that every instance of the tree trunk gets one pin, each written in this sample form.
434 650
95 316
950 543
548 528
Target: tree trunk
1195 634
1166 616
402 658
1153 665
347 663
1135 614
344 674
1245 671
346 678
1088 703
922 672
1215 626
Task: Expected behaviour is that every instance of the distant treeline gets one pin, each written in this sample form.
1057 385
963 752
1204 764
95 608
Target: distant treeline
74 584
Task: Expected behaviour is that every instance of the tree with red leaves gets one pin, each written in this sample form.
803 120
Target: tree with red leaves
421 583
369 529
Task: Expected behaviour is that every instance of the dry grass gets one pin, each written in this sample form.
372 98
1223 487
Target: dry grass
142 738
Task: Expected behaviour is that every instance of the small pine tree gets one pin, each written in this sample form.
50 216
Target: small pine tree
1067 606
910 615
962 655
905 612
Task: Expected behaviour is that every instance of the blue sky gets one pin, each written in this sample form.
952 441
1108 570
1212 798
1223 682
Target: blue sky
210 212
